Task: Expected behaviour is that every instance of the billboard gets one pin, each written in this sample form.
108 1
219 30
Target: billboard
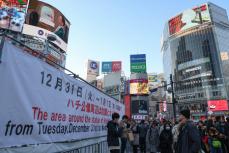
127 105
189 18
93 68
139 87
12 14
139 107
217 105
153 81
106 67
116 66
138 63
43 19
152 78
112 66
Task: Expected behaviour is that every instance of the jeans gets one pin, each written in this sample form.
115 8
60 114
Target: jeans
135 148
123 144
142 144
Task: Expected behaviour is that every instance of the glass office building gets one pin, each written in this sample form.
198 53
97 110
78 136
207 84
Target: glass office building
195 48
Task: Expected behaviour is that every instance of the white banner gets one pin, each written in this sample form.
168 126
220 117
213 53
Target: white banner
40 104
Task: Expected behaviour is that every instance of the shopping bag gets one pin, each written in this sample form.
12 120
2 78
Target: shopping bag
130 136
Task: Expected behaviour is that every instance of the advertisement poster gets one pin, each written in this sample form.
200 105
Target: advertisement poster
139 107
138 63
189 18
127 103
152 78
12 14
116 66
106 67
217 105
43 19
139 87
40 104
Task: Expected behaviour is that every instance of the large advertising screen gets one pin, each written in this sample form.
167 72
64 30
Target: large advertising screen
139 107
43 19
139 87
12 14
138 63
189 18
217 105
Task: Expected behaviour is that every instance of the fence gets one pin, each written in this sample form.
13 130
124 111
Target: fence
93 145
100 147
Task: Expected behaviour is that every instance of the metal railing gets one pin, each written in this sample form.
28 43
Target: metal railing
100 147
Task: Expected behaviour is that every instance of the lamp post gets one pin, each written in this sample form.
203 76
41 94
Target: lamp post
173 98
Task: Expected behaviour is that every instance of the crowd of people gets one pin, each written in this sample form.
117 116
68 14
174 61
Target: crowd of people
153 136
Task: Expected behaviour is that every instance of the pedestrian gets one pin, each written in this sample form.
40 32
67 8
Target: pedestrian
143 127
220 127
152 138
166 139
209 124
227 133
135 131
189 138
175 133
203 136
130 137
124 126
113 134
214 141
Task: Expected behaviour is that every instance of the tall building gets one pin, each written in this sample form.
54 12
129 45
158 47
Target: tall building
195 47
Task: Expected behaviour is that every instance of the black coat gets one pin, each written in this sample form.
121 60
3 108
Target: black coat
166 141
113 133
189 140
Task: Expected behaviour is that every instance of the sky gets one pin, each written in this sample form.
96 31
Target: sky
112 30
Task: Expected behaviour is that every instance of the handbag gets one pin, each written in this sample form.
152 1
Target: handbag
130 136
216 143
136 139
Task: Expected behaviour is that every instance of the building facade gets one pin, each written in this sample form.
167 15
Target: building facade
195 48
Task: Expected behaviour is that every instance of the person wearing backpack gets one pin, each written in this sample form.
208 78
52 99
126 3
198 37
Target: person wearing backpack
214 141
189 138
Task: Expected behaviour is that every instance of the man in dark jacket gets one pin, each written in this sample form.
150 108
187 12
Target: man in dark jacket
189 138
143 128
227 133
113 134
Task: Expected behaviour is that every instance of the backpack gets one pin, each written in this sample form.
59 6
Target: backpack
216 143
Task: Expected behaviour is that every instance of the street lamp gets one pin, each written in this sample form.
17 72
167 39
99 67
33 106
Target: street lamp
171 90
173 98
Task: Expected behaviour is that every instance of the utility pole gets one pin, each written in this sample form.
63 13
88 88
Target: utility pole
173 98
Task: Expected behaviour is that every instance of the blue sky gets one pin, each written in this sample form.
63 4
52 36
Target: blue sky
107 30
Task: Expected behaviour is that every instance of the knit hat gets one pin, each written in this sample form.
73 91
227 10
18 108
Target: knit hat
185 113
